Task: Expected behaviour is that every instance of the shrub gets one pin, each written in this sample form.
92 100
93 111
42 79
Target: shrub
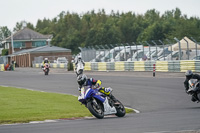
4 52
70 66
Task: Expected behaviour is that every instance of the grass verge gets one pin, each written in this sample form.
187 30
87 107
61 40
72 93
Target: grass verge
22 106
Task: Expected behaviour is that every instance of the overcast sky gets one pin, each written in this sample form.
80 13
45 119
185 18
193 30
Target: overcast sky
13 11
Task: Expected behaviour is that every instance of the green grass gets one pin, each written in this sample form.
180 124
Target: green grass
21 106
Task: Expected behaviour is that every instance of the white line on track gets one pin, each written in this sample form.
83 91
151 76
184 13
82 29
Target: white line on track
136 111
181 131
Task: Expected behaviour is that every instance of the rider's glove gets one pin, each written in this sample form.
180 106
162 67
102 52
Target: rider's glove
108 89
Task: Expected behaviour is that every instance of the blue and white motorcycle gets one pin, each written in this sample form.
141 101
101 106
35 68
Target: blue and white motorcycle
100 104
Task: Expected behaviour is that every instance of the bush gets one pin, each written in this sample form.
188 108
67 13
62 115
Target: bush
4 52
70 66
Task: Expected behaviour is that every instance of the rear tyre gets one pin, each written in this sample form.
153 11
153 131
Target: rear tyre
198 96
96 109
120 110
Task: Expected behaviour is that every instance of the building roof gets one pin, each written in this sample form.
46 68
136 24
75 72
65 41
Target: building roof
28 34
43 49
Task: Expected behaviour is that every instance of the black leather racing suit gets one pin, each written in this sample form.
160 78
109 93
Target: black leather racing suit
186 84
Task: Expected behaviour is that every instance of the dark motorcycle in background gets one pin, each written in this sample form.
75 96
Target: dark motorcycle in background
46 68
100 104
194 89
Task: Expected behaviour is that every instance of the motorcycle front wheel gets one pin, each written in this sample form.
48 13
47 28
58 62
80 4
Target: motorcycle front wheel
96 109
46 72
120 110
80 72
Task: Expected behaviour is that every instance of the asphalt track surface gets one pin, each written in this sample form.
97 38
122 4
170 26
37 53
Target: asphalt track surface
164 106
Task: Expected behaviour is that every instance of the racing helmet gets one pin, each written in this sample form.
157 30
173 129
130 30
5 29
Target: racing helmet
98 83
189 74
79 57
81 79
45 58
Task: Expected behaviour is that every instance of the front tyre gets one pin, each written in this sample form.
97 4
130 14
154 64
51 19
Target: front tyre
96 109
80 71
120 110
46 71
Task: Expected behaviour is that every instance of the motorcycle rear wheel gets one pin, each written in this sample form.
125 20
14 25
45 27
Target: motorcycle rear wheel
96 109
198 96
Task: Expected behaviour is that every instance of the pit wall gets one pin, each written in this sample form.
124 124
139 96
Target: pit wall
161 66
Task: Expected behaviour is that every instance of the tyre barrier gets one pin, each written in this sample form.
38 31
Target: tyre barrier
160 66
2 67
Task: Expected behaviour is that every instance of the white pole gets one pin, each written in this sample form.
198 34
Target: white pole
12 43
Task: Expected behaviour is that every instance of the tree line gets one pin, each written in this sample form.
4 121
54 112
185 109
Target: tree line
72 30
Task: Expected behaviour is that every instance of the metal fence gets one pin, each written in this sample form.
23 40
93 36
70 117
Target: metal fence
52 59
143 51
88 53
54 63
3 60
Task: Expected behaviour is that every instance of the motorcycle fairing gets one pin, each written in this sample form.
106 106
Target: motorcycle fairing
80 67
108 109
90 93
193 85
94 93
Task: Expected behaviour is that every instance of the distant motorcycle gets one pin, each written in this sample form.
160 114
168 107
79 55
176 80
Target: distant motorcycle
194 88
80 68
46 68
100 104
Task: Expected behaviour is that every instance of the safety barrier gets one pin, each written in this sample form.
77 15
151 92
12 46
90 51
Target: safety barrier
52 65
139 66
187 65
160 66
88 66
2 67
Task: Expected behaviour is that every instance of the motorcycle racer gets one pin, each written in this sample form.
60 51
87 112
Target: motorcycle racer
79 61
45 61
189 75
95 84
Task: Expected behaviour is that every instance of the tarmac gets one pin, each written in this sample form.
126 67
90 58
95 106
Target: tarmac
113 73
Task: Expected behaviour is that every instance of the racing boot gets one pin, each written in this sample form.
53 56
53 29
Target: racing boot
79 90
107 91
114 99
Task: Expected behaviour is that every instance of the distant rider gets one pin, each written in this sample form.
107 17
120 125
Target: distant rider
79 61
189 75
45 61
95 84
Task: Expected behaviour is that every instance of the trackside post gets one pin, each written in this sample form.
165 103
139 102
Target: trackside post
154 69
